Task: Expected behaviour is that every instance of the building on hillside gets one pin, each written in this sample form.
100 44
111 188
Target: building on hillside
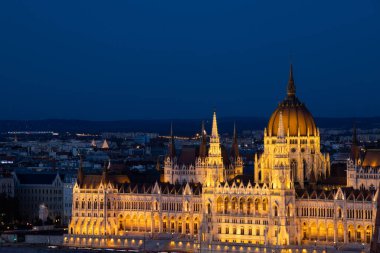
204 201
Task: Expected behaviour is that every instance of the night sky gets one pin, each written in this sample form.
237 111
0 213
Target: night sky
115 60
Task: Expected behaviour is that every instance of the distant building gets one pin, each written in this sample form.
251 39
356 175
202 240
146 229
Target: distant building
34 189
7 186
68 184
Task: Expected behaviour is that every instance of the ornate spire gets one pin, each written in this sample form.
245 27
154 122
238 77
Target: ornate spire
291 85
214 149
214 131
203 146
171 151
235 145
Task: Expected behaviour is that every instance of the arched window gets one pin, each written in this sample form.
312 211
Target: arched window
275 211
260 176
226 206
264 204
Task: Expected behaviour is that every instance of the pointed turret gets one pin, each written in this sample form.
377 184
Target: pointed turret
171 147
105 144
203 145
235 145
291 86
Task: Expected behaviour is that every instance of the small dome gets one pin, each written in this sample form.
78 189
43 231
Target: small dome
295 115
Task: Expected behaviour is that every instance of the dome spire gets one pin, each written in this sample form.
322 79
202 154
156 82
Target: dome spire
291 85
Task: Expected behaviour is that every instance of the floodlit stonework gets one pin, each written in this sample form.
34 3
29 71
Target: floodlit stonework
205 201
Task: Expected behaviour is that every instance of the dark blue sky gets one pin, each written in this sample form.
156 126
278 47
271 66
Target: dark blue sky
180 59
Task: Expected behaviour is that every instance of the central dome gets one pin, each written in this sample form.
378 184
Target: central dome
295 116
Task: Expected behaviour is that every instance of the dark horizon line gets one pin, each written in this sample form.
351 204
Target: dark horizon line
181 119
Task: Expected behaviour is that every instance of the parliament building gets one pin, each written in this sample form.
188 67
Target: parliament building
203 200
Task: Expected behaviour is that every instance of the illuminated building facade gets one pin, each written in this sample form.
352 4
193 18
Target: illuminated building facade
205 198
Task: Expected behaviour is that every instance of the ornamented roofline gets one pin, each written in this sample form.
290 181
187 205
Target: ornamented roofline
156 188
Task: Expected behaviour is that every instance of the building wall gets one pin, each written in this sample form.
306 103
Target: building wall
7 186
31 196
238 214
304 155
126 213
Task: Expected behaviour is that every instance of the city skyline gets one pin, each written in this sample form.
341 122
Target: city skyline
172 60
